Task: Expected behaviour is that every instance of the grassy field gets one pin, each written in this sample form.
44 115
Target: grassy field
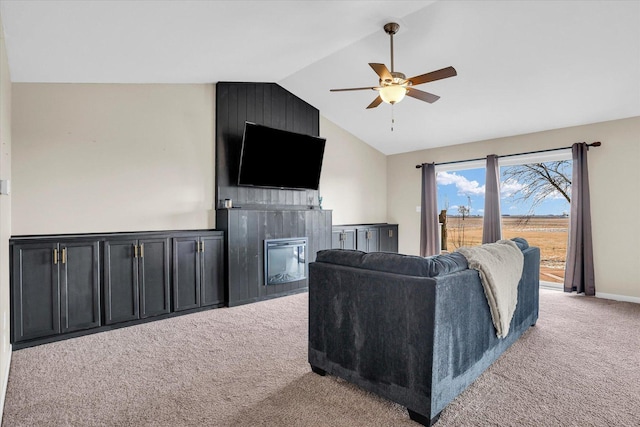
550 234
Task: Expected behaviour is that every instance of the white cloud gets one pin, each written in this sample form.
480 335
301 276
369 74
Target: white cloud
463 185
510 187
554 195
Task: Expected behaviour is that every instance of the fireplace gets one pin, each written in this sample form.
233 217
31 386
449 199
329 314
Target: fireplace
285 260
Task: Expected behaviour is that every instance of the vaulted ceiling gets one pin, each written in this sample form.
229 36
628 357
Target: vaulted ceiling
523 66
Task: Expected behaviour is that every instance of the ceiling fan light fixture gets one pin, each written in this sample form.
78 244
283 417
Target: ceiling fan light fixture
393 86
393 94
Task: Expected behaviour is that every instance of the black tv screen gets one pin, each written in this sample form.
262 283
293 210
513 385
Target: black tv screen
277 158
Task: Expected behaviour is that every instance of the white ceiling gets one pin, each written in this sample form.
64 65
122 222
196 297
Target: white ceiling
523 66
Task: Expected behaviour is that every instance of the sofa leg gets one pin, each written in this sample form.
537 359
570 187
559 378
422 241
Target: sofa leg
318 371
422 419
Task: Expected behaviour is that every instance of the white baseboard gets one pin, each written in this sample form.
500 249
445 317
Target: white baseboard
618 297
4 381
615 297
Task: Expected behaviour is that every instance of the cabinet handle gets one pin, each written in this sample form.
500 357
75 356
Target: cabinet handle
64 255
55 256
390 233
135 251
202 246
368 234
141 250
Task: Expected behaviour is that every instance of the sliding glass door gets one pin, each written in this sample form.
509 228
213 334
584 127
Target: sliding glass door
535 194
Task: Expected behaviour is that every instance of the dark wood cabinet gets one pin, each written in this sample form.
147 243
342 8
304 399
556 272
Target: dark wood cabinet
367 239
69 285
380 237
79 285
55 288
388 235
198 271
136 276
343 238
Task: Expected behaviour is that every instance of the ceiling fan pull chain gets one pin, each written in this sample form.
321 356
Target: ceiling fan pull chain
393 120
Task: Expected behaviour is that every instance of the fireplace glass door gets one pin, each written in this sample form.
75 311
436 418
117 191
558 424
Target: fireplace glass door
285 260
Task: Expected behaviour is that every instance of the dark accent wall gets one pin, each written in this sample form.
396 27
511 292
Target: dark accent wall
266 104
261 213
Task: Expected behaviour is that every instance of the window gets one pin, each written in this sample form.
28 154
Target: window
461 196
535 194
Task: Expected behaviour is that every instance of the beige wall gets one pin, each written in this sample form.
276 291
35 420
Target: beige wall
614 176
353 182
96 157
110 157
5 218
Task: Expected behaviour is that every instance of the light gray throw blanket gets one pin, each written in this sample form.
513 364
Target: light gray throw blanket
500 266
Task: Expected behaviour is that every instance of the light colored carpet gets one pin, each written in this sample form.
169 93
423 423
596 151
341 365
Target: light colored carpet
247 366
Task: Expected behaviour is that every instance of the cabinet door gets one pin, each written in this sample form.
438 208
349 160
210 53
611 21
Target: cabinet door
36 290
79 285
212 270
336 239
349 241
186 273
389 238
153 275
343 238
367 239
121 295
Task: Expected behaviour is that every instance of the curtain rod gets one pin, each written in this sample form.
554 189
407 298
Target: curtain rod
593 144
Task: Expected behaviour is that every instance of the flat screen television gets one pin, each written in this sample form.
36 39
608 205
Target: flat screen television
276 158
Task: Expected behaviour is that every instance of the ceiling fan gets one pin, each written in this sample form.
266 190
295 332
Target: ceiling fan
394 85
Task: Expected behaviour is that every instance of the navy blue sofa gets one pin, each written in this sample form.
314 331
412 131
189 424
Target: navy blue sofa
416 331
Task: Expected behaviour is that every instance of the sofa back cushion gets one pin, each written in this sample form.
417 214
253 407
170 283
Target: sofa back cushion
411 265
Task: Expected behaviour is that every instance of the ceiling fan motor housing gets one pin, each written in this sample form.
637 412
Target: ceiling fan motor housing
391 28
397 79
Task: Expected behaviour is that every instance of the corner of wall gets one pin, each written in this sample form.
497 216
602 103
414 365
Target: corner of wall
5 220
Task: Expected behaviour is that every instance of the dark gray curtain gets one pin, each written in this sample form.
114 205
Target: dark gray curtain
429 243
579 275
491 226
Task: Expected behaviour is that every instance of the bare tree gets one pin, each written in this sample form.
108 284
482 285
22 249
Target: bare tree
541 180
457 233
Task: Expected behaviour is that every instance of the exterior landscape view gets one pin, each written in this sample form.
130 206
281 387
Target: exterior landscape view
549 233
535 205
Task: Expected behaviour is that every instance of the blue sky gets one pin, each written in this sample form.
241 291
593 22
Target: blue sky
464 187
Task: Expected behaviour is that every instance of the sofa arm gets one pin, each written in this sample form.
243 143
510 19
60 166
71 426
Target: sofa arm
374 329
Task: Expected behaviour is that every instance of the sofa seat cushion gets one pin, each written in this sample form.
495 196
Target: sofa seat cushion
411 265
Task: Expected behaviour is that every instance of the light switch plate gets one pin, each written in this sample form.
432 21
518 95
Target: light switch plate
5 186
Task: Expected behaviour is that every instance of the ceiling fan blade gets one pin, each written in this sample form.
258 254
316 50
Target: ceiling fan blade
382 71
375 102
353 88
434 75
422 96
